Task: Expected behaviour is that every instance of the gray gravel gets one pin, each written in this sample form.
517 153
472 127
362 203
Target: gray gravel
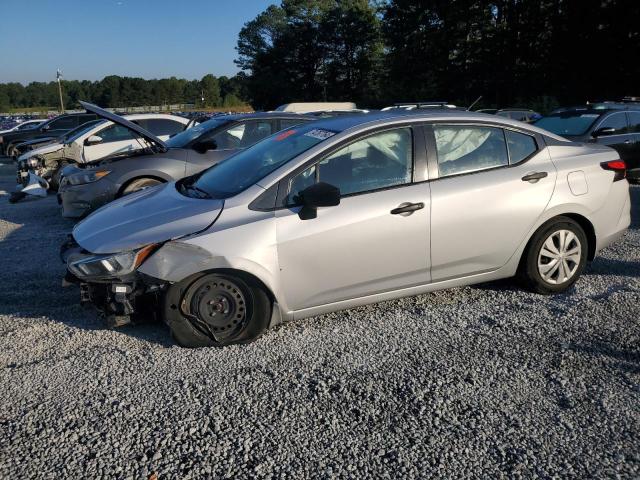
485 381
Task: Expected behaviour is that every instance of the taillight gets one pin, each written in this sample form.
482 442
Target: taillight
617 166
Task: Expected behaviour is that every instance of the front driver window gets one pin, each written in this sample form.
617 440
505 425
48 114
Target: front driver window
115 133
617 121
242 135
464 149
380 160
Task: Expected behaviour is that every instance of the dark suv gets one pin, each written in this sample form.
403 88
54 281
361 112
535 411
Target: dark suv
617 126
50 129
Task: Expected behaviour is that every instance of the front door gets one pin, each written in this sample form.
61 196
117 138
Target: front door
364 245
493 185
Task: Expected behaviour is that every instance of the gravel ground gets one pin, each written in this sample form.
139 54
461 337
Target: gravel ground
484 381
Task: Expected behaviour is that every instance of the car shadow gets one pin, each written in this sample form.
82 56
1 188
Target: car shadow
32 272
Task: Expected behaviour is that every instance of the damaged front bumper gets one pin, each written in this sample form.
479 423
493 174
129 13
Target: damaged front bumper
132 298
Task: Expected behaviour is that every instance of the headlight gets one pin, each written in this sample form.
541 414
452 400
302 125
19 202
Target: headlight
109 265
88 177
32 162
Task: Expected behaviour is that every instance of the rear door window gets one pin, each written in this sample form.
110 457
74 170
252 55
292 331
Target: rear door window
520 145
466 149
634 122
161 126
64 123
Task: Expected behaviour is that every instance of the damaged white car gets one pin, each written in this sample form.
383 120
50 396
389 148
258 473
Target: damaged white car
87 143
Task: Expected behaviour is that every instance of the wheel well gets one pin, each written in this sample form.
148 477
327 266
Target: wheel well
245 276
589 231
131 180
586 225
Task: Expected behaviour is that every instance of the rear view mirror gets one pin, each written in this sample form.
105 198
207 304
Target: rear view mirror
93 140
319 194
205 145
601 132
45 128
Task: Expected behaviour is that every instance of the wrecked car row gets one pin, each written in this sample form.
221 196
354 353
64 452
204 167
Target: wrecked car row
293 217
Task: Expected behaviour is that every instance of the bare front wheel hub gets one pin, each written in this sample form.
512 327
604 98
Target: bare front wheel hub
220 304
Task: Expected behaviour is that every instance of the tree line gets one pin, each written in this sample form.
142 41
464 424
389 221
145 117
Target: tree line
537 53
115 91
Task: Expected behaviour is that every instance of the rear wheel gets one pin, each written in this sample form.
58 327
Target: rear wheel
140 184
556 256
216 310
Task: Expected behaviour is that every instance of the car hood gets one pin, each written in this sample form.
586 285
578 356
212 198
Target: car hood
149 216
50 147
146 134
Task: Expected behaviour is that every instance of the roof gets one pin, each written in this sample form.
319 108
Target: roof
352 121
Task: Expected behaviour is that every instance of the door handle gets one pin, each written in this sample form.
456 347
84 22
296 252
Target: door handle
628 141
534 177
406 209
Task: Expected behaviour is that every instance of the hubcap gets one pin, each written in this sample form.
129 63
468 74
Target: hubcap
559 257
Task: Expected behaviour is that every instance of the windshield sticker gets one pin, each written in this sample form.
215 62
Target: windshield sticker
284 135
589 115
320 134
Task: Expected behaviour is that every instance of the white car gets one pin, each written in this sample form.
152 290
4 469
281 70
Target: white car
95 141
26 125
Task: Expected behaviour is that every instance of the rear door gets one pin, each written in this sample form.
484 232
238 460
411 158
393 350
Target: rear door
362 246
230 139
486 198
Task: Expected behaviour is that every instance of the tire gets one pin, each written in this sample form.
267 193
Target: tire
215 310
548 266
140 184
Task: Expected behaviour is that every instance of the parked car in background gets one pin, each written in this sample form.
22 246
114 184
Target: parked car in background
520 114
26 125
349 211
616 126
93 141
90 185
51 128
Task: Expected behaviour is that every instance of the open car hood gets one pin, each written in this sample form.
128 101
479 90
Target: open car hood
147 135
149 216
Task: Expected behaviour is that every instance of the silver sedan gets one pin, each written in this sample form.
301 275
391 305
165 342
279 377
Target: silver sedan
346 212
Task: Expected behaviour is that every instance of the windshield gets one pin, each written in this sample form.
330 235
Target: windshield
572 124
182 139
243 169
73 135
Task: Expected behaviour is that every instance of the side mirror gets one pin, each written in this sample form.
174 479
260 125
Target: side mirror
601 132
93 140
319 194
205 145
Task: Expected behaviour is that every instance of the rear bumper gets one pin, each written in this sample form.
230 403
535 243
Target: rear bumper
621 226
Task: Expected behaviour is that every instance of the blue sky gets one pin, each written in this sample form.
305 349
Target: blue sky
89 39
